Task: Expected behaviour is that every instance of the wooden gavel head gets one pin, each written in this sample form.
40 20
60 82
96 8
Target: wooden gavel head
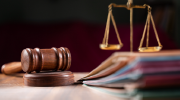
45 59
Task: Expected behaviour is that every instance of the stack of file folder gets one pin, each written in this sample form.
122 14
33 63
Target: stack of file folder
144 76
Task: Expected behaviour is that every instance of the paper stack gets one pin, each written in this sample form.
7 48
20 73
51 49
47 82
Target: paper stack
152 76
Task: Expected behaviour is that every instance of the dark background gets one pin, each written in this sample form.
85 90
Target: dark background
79 25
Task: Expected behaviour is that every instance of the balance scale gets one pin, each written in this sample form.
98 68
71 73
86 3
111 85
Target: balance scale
130 6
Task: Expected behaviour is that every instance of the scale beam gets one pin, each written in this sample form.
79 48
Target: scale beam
127 7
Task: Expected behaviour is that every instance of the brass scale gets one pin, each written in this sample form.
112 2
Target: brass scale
130 6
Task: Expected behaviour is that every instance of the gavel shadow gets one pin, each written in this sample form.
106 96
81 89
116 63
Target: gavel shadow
20 75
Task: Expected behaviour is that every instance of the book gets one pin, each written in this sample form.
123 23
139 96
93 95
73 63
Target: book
138 76
126 57
137 70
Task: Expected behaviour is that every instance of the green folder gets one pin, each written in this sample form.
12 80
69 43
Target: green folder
141 94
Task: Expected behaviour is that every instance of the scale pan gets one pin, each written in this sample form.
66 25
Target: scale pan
150 49
110 46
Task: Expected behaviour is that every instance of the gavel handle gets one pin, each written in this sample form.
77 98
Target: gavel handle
10 68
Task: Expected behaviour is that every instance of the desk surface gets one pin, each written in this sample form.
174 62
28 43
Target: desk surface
12 88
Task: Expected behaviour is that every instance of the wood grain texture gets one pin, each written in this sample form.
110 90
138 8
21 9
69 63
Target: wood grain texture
12 88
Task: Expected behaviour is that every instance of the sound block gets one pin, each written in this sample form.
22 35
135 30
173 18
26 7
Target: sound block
59 78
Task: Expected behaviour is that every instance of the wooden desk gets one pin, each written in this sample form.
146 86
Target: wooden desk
12 88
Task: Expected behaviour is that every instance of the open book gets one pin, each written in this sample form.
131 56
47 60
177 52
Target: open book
137 70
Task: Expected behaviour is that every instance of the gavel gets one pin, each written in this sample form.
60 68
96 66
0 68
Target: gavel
39 60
